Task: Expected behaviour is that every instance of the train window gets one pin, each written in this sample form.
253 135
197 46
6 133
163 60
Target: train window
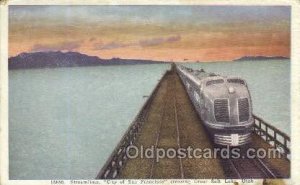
236 81
212 82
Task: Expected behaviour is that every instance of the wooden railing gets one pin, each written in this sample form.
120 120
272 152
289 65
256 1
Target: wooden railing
272 135
117 159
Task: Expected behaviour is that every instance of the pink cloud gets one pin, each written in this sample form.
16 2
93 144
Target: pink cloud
142 43
158 41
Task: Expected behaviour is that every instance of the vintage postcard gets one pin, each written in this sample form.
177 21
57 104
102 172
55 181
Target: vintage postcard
181 92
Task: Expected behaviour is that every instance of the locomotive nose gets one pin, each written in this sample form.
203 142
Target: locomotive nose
231 90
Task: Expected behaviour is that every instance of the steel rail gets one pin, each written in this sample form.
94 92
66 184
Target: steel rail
178 134
157 138
265 167
260 167
235 169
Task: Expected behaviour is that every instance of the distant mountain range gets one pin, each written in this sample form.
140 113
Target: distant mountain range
54 59
261 58
68 59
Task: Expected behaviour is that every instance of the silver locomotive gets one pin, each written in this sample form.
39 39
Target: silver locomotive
223 103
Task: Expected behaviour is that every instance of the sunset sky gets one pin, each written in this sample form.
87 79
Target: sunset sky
204 33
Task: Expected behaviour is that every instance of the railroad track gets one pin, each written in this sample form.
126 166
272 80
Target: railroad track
167 104
177 129
157 139
248 168
251 168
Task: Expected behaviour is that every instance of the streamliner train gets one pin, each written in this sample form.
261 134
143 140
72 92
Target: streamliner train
223 103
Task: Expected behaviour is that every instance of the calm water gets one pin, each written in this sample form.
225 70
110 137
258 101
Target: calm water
65 122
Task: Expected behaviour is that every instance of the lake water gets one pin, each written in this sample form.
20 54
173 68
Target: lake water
65 122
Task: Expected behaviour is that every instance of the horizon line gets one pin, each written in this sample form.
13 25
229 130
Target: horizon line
146 59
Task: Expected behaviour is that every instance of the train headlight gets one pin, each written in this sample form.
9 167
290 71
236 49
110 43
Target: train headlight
231 90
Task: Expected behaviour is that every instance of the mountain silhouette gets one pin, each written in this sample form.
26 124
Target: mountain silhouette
54 59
